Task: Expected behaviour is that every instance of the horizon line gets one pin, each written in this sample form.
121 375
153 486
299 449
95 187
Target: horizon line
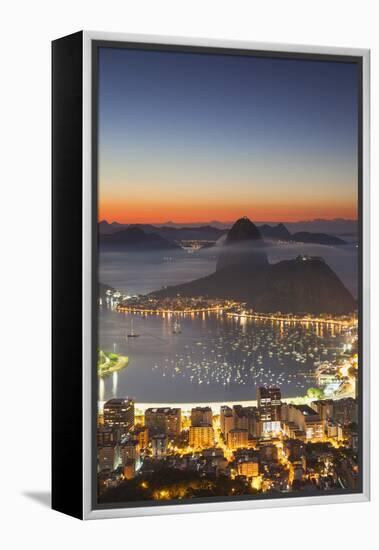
169 222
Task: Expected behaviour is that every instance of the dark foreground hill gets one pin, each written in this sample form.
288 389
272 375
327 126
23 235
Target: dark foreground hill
291 286
302 285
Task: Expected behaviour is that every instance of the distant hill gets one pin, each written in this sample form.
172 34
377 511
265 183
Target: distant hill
106 228
280 232
210 233
317 238
203 232
275 231
337 226
301 285
134 238
243 246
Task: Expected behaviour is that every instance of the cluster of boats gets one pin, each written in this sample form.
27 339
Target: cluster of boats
267 353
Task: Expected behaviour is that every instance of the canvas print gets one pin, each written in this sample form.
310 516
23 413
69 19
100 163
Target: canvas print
228 305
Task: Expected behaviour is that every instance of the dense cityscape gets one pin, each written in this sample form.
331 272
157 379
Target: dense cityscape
228 277
273 445
149 305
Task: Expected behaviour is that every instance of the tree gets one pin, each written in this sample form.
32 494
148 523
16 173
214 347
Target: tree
315 393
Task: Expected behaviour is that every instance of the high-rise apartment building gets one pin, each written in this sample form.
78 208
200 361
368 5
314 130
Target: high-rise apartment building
119 413
163 420
201 416
269 403
201 437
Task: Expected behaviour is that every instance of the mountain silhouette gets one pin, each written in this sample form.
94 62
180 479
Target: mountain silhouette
317 238
134 238
301 285
281 233
243 245
275 231
203 232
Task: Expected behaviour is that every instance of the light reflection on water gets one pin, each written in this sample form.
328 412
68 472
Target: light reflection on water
167 367
214 358
114 384
141 273
101 385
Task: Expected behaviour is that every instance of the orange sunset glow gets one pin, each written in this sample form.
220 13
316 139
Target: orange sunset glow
209 147
161 212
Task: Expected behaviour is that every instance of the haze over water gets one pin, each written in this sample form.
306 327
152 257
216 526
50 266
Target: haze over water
141 273
213 358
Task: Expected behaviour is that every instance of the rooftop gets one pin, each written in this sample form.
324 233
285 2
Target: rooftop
306 410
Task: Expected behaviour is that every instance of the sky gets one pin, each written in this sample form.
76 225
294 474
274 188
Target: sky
190 137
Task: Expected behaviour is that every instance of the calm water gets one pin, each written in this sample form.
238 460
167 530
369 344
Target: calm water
140 273
214 358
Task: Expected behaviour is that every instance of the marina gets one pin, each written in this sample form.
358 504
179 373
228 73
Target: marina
211 357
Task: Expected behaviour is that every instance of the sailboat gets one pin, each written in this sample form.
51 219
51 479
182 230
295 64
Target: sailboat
131 334
177 328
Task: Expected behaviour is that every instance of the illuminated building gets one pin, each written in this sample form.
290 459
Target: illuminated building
243 454
304 419
269 404
141 433
292 430
107 436
201 416
215 458
253 421
201 436
298 471
213 452
248 468
129 450
163 420
345 410
159 445
226 421
293 449
314 428
324 408
353 441
240 418
237 438
268 453
349 472
129 469
340 431
108 457
119 413
331 429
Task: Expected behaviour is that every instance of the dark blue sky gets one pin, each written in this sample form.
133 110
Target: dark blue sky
184 134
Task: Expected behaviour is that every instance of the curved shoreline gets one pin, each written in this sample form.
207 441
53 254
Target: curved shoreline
186 407
121 363
215 405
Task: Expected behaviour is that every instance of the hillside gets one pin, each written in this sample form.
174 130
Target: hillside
301 285
135 239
